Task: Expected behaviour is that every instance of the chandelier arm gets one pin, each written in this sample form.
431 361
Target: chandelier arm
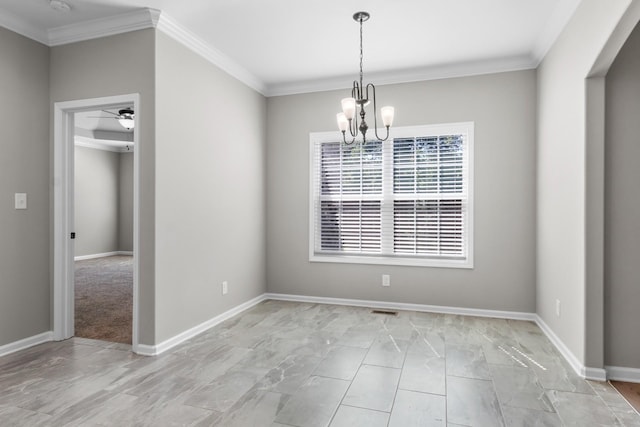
344 138
353 126
375 113
382 139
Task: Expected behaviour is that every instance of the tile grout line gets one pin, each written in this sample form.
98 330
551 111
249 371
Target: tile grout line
495 390
446 381
350 384
395 395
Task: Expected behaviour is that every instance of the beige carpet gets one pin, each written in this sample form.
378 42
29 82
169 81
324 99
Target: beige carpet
104 298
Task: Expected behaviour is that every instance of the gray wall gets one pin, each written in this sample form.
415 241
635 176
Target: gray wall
103 201
562 175
503 109
118 65
24 168
125 200
210 191
96 201
622 207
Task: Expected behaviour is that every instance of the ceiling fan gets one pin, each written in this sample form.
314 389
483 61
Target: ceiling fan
125 117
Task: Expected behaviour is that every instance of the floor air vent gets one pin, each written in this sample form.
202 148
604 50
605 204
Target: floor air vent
387 312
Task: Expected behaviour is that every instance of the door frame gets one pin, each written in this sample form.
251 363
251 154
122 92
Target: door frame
63 210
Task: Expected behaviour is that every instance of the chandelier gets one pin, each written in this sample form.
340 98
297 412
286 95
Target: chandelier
348 119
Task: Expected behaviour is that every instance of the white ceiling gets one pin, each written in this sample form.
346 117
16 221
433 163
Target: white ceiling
292 46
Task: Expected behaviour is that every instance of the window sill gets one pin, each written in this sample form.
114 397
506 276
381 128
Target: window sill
382 260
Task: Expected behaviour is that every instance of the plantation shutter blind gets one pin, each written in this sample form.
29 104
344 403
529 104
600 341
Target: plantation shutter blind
405 198
429 202
349 199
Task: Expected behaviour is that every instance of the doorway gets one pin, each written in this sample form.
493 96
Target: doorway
103 223
65 116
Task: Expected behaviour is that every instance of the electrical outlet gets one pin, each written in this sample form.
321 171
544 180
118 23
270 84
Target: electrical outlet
558 307
225 287
386 280
21 201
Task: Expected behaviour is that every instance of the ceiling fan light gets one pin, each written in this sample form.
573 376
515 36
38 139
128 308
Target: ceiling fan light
127 122
59 5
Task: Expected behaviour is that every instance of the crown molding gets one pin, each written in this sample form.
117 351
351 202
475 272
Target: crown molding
557 22
18 25
463 69
179 33
137 20
153 18
103 27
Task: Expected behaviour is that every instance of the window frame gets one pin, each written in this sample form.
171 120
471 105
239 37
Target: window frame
465 128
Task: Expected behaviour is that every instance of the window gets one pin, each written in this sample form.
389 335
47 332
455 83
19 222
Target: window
405 201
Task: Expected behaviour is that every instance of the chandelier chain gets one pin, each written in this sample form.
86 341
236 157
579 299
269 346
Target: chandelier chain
361 54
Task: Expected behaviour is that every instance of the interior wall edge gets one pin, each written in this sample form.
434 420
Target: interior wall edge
589 373
155 350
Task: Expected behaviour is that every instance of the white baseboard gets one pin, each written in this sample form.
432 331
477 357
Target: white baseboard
145 350
154 350
618 373
594 374
25 343
106 254
586 372
515 315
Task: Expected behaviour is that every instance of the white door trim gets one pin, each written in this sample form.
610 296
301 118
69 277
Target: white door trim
63 248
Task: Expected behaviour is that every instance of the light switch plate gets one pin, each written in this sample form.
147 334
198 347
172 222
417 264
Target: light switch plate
21 200
386 280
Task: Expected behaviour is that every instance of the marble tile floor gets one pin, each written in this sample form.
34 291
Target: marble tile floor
297 364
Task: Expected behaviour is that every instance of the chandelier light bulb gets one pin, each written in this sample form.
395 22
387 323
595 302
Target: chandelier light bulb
349 108
387 115
343 123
